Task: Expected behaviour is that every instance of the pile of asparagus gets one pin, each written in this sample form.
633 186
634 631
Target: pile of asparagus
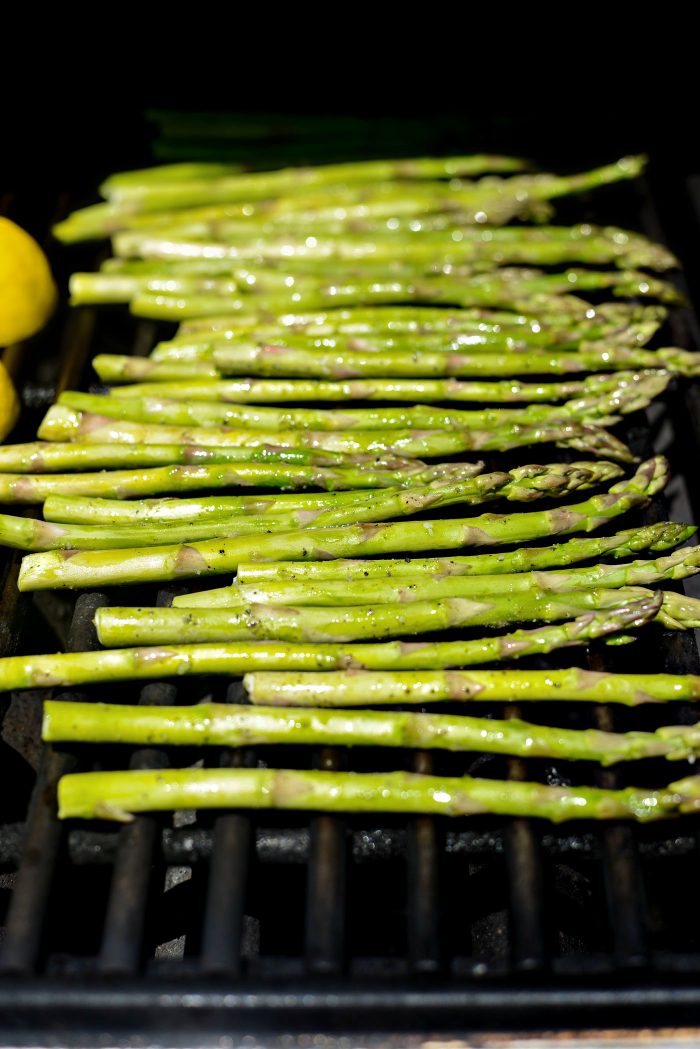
399 286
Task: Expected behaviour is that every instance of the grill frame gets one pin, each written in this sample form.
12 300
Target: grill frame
219 990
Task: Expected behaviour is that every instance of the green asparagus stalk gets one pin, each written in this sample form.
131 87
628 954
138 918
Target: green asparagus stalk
434 214
276 361
117 795
369 202
78 510
165 172
378 587
122 484
285 182
423 268
436 241
238 358
441 235
227 725
45 456
588 321
636 333
504 292
152 195
661 536
282 391
524 484
61 423
202 347
619 401
141 664
218 125
679 565
230 277
160 305
216 312
357 688
119 626
423 320
110 367
96 568
117 368
505 245
354 262
22 533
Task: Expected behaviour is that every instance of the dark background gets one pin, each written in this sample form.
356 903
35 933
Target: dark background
564 87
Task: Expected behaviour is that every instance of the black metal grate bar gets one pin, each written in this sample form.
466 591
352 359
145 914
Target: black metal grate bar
25 920
228 875
526 897
137 863
325 889
622 875
423 887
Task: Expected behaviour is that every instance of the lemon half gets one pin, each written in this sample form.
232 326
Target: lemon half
27 289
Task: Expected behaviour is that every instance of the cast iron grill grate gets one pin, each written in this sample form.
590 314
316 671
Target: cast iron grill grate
270 920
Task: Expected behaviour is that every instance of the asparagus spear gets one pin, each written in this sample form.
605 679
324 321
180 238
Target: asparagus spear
354 261
525 484
283 391
538 245
422 320
265 260
160 305
77 510
679 565
45 456
660 536
116 368
122 484
301 276
370 202
23 533
508 338
494 289
119 626
95 568
116 795
274 184
276 361
269 585
439 234
70 668
620 400
395 212
151 195
61 423
239 359
227 725
355 688
112 367
165 172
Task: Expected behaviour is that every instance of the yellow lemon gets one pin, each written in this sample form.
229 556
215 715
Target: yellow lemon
9 403
27 288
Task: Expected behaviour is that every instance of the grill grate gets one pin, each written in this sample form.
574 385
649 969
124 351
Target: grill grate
269 920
